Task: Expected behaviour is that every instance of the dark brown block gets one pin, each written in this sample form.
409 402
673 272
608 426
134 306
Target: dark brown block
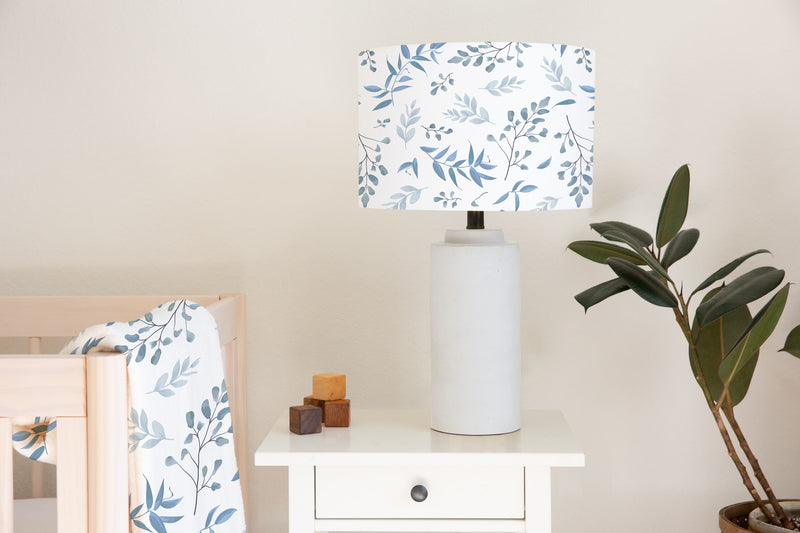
305 419
337 413
310 400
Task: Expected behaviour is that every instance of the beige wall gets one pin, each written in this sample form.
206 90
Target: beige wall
204 146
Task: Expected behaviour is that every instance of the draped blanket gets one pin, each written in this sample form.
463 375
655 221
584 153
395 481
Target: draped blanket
182 468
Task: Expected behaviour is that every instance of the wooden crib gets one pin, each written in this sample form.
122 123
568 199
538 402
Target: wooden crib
88 397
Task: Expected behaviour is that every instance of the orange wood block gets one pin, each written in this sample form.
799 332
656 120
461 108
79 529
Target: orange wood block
337 414
305 419
310 400
329 386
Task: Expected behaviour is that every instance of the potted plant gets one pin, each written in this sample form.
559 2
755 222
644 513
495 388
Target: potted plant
722 335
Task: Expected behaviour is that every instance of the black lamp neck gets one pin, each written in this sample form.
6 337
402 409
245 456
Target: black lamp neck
475 220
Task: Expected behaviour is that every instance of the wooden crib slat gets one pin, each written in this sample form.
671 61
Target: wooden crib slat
230 314
37 468
34 345
6 478
36 384
107 396
71 477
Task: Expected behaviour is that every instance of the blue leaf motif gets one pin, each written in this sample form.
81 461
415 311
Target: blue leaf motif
437 168
224 516
169 504
211 516
157 523
148 495
37 453
141 353
159 497
501 199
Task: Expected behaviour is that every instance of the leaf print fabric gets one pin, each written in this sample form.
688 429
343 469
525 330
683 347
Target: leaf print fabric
486 126
182 472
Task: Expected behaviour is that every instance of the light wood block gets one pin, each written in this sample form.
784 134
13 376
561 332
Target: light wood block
329 386
310 400
337 414
305 419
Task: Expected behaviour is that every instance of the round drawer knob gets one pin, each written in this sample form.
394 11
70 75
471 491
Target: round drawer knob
419 493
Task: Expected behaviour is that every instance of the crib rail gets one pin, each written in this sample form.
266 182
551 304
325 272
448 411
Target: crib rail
65 316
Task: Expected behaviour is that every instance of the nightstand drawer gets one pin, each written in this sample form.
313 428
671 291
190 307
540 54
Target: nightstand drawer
443 491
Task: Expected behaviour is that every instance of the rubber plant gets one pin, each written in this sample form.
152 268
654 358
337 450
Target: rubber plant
723 337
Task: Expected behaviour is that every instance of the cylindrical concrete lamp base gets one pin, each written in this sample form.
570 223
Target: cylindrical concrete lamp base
475 331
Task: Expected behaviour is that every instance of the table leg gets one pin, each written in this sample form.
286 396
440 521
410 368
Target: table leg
301 499
537 499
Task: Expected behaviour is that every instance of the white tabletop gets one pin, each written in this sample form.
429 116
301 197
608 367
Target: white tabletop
404 437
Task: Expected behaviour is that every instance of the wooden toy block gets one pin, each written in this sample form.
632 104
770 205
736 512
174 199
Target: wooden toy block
329 386
310 400
337 414
305 419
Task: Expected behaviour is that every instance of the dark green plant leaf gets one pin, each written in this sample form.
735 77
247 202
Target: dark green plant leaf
674 207
727 269
680 246
714 341
640 235
648 258
599 252
743 290
759 330
792 344
643 283
598 293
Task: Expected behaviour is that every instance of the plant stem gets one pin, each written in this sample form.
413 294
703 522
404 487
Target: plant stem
748 483
751 458
681 316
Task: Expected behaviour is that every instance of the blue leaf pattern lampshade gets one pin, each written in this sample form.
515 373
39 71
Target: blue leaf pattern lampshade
484 126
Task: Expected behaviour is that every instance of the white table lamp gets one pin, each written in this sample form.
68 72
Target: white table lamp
484 126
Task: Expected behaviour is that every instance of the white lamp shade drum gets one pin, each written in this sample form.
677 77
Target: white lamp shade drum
483 126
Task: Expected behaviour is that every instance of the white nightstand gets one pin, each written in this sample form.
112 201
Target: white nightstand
390 472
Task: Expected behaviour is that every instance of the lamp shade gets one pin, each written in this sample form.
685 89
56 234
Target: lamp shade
483 126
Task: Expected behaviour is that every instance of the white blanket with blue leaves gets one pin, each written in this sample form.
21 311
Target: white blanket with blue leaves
182 475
